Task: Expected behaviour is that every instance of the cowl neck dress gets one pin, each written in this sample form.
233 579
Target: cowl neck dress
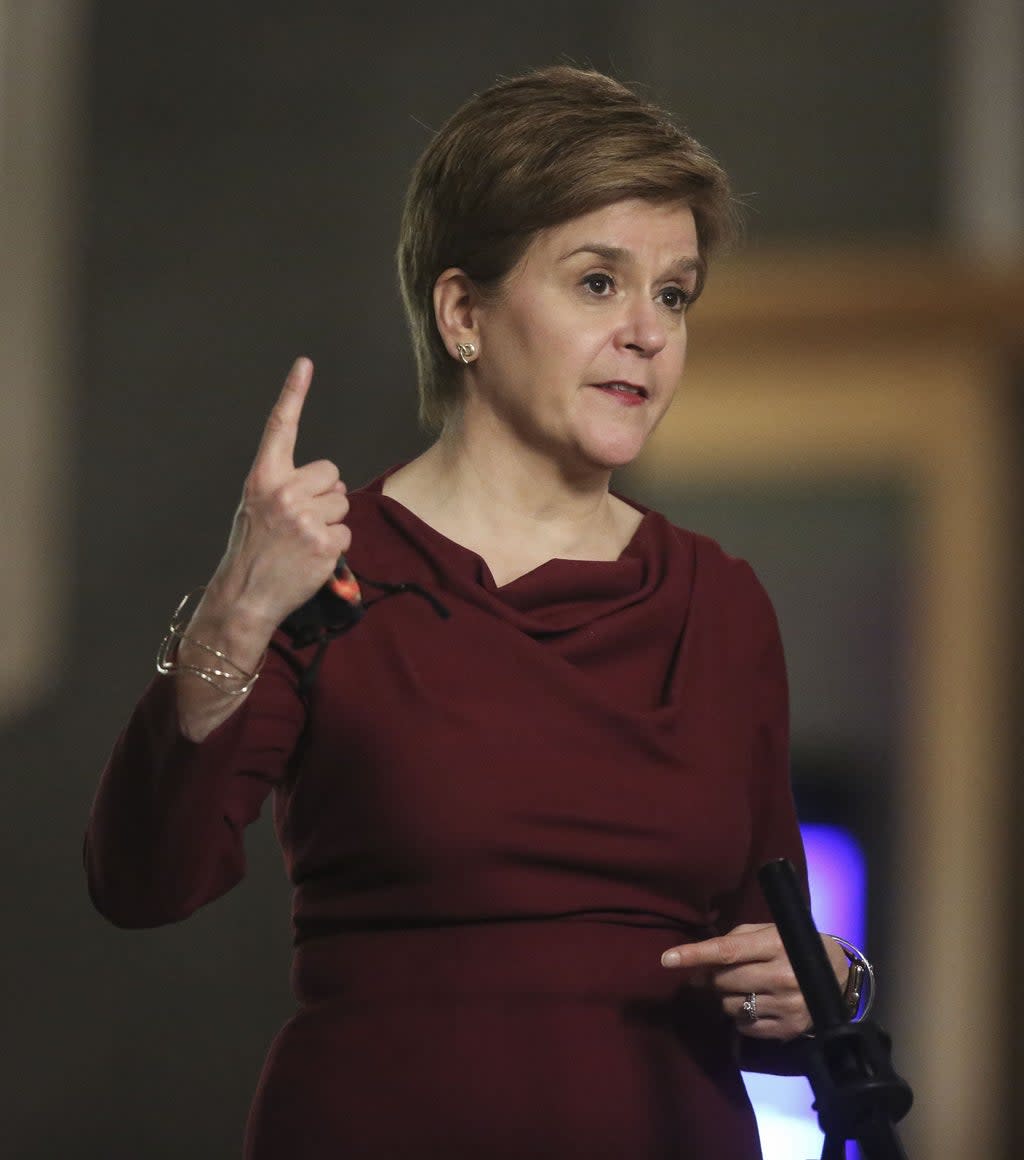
495 823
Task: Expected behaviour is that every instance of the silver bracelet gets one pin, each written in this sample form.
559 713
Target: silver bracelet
859 992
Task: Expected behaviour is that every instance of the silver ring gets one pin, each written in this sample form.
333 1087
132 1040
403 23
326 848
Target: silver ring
750 1007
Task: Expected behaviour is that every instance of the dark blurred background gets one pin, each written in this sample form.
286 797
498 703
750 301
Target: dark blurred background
194 194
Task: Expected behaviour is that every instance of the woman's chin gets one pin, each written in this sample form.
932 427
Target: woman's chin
613 450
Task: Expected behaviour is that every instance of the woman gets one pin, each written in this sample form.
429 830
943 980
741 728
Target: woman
524 834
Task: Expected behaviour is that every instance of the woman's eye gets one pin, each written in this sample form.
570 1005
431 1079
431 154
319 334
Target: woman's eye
675 298
598 283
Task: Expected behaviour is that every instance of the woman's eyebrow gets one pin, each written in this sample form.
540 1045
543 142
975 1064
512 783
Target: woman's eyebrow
608 253
620 255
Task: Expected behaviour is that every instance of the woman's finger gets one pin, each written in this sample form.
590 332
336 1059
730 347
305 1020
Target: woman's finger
749 1007
744 944
275 457
762 1016
775 975
316 478
331 507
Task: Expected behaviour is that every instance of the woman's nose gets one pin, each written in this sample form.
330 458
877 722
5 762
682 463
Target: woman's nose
643 329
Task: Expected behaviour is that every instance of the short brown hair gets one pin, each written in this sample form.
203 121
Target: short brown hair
529 153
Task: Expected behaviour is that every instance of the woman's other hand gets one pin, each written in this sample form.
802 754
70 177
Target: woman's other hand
751 960
285 541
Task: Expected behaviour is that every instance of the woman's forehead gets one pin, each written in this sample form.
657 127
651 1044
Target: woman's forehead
624 231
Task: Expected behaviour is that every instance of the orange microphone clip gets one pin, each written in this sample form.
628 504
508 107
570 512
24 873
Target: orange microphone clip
344 585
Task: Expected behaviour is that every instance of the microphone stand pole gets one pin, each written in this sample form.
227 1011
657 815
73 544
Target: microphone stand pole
858 1095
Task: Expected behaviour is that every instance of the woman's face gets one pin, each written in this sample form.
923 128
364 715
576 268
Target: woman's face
581 352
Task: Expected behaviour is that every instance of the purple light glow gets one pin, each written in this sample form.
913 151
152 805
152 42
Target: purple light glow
838 878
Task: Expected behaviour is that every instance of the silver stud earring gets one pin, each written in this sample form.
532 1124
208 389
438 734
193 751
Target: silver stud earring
467 351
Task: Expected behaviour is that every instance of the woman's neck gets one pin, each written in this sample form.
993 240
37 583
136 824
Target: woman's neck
514 507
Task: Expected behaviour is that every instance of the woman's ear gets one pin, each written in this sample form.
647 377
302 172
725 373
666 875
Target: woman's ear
455 311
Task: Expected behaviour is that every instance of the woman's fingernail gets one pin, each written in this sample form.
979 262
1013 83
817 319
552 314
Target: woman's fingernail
671 959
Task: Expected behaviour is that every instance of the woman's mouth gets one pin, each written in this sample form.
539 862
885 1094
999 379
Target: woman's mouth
630 394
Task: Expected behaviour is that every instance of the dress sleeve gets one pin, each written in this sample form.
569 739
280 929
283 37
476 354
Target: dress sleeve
165 834
775 832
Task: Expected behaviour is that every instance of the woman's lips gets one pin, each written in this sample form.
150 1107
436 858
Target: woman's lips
628 394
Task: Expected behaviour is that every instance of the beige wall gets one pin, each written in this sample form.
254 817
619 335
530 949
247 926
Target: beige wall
40 108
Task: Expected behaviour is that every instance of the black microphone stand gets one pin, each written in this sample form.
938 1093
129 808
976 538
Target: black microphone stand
857 1094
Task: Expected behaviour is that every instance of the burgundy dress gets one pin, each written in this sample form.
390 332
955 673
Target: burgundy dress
495 823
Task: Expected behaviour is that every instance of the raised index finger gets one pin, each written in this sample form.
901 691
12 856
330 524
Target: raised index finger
276 453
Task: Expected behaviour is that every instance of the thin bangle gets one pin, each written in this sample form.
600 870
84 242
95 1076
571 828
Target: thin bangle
167 656
861 978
